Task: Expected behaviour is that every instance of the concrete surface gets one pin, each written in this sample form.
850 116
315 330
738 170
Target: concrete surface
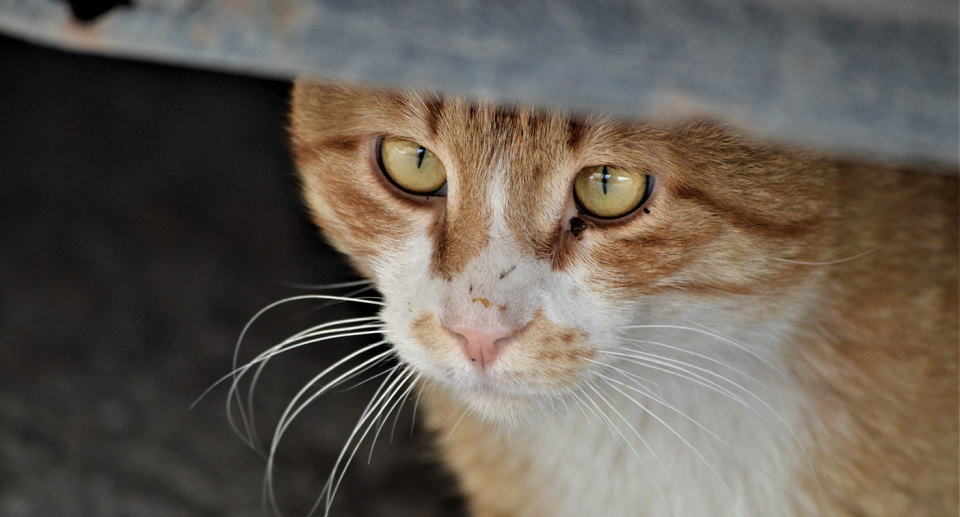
874 78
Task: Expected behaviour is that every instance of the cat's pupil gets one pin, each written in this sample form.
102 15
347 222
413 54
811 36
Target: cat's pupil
604 178
420 153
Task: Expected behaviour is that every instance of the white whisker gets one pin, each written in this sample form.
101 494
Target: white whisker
406 395
779 417
832 261
675 370
678 435
719 337
608 423
646 392
368 410
243 333
394 405
641 360
454 428
382 402
292 409
262 359
415 405
237 373
701 356
339 285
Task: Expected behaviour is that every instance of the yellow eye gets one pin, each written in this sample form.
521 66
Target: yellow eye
609 193
411 166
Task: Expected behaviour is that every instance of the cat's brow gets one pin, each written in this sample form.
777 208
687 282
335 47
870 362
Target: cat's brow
434 106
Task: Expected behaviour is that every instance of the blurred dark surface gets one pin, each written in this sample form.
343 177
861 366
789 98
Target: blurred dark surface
146 213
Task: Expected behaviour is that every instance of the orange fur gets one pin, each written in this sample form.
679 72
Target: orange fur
869 253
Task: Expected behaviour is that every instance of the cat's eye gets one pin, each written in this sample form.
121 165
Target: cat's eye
411 166
609 192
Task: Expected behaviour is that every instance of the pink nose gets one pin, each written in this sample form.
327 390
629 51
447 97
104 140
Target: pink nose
483 345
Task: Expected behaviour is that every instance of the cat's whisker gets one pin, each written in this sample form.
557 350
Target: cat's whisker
241 369
645 444
383 402
246 329
779 417
315 337
361 383
831 262
720 338
406 396
295 406
676 371
399 402
416 405
549 417
584 407
723 391
375 401
653 396
299 341
678 435
248 415
320 287
579 402
611 426
312 338
698 355
641 360
238 373
351 294
293 410
454 428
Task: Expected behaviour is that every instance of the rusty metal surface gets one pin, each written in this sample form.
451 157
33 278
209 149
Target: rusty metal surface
868 77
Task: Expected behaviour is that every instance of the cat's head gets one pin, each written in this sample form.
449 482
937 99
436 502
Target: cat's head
513 245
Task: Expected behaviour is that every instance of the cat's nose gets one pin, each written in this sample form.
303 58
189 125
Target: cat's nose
483 345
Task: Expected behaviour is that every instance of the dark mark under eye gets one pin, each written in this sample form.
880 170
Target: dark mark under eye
646 210
577 226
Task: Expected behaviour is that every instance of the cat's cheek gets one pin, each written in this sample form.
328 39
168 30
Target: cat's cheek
549 357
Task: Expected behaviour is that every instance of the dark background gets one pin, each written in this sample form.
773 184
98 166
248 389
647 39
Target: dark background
146 213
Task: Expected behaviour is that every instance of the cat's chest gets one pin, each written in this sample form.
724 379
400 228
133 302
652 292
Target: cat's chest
673 430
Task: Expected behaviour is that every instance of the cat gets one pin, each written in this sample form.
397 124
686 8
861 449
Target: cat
612 318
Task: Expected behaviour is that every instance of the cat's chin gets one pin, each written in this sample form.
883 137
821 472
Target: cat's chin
503 406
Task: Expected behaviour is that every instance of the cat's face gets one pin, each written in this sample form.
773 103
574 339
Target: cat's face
511 260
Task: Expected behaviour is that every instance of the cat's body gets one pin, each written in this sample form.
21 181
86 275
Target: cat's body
767 333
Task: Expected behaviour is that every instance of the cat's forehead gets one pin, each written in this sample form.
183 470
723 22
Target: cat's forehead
480 129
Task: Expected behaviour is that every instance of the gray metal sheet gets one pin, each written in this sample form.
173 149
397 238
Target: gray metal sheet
867 77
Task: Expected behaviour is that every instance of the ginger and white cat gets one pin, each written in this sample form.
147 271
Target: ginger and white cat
620 319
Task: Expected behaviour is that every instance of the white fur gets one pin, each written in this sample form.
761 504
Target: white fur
600 452
656 461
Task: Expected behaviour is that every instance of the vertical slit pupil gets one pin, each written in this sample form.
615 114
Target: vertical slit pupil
420 152
604 177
